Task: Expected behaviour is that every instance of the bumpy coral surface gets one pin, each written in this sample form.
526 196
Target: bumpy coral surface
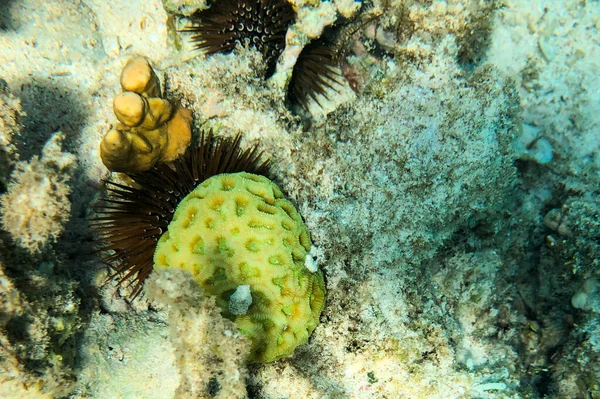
238 229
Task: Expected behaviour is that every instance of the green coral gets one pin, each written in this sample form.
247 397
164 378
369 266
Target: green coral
237 230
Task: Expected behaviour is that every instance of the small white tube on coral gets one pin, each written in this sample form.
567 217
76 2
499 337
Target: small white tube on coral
311 264
240 300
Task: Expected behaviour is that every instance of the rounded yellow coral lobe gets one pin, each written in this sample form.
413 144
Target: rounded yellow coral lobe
238 230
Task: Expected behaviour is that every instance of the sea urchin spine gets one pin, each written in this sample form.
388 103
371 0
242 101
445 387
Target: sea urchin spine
261 24
315 73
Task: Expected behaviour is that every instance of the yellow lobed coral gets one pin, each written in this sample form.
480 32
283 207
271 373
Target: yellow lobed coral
151 129
236 231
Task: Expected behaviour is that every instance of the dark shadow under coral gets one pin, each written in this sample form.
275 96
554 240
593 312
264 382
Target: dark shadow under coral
7 16
50 106
52 280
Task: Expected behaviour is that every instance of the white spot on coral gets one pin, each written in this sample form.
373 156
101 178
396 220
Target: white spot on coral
240 300
313 258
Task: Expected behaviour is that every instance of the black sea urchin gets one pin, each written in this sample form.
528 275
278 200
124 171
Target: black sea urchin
260 23
316 71
132 218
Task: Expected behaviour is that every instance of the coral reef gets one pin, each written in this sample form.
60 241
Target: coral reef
181 348
571 253
127 354
550 53
451 190
422 192
36 206
14 379
551 56
383 192
260 25
152 130
380 238
236 230
38 320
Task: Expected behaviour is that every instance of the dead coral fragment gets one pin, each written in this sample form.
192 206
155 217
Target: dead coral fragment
262 24
36 207
151 129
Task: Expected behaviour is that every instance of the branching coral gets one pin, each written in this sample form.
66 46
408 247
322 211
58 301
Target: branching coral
36 206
